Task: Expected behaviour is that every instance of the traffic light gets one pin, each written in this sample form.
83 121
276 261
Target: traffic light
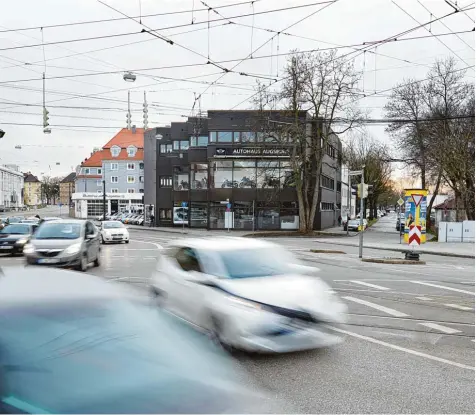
370 190
145 111
354 190
45 117
363 190
128 120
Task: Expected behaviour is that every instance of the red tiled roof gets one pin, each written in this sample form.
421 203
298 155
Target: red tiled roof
125 138
96 159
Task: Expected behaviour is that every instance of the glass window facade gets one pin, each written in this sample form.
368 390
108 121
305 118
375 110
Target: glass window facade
166 148
225 137
181 179
221 175
244 173
198 214
199 176
200 141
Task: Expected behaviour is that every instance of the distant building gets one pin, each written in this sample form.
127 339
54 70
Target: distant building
120 163
446 212
32 192
67 189
11 187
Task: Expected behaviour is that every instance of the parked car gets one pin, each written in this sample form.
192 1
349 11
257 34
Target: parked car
114 231
77 344
14 237
69 243
354 225
250 295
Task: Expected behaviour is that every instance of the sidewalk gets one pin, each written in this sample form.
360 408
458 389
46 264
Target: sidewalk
190 231
459 250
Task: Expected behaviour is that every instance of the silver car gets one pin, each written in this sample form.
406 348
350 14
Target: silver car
65 243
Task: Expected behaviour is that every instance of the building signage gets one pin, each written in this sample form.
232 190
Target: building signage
252 152
125 196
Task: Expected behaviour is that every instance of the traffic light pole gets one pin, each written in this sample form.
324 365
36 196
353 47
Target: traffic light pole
361 236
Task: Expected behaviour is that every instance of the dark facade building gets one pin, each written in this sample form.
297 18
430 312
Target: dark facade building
231 170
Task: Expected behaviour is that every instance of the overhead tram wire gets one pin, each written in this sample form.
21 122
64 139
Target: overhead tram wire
367 46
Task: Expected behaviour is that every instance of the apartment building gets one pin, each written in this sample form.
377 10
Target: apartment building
67 189
119 166
11 187
32 190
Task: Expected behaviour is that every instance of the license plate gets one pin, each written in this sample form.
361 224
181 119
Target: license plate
6 247
48 261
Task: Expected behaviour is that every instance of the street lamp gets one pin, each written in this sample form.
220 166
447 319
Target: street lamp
129 77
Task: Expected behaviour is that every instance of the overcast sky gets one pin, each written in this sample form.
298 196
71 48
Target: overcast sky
96 104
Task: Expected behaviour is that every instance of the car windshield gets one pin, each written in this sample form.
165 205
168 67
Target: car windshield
16 229
112 356
14 220
112 225
51 230
250 263
354 222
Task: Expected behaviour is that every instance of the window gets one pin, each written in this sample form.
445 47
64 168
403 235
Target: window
165 215
221 175
225 137
131 151
99 191
114 166
236 137
200 141
99 171
327 206
141 166
184 144
331 151
131 166
199 176
99 182
86 171
165 148
130 191
115 151
187 259
327 182
141 190
131 179
339 186
114 179
268 174
180 179
198 214
114 190
287 175
247 137
176 145
165 181
244 174
213 137
141 179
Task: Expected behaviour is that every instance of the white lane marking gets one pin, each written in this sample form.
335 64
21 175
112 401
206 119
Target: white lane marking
459 307
378 287
386 310
443 287
402 349
159 247
411 319
424 298
444 329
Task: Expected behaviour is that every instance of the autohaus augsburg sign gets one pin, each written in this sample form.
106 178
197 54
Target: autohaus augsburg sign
252 152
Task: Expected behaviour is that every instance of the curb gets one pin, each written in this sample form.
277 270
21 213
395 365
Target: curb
393 261
327 251
448 254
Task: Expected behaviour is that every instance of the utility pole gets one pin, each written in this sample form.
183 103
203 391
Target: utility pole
361 236
104 195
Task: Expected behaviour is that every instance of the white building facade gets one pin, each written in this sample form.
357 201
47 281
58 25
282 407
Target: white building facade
348 202
11 187
91 205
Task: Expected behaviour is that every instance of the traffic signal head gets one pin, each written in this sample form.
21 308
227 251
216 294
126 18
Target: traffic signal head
45 117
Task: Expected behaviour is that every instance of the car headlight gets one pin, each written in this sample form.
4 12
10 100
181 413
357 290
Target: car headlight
73 249
245 303
22 241
28 249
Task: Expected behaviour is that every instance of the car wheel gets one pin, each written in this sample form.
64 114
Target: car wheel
97 261
127 242
216 336
83 263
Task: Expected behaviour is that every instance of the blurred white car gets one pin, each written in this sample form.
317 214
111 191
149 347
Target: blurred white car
114 231
248 294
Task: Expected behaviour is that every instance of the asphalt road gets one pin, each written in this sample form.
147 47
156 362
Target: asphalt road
408 345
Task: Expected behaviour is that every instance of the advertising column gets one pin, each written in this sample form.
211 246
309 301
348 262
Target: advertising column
415 211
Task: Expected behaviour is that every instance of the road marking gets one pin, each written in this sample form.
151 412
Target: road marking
459 307
159 247
386 310
424 298
443 287
378 287
411 319
444 329
402 349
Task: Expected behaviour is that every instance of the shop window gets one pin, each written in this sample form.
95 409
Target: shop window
165 181
267 174
247 137
165 215
221 175
289 215
180 179
198 214
199 176
243 215
268 218
217 215
225 137
200 141
180 214
213 137
244 174
131 166
131 179
327 206
327 182
114 179
95 208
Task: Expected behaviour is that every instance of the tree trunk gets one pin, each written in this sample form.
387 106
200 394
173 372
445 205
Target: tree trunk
430 225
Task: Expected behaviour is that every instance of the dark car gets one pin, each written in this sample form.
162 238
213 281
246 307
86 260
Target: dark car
74 343
15 236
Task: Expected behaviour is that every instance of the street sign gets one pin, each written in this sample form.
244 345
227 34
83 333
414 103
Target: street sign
417 199
228 206
400 202
184 204
414 235
355 172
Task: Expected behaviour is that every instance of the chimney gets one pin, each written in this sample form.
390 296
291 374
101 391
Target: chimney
134 129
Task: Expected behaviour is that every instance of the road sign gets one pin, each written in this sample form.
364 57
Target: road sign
417 199
400 202
228 206
355 172
414 235
184 204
